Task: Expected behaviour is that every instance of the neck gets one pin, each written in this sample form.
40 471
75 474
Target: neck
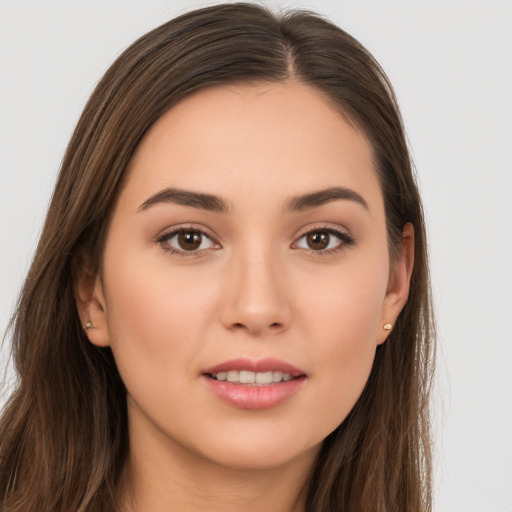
174 479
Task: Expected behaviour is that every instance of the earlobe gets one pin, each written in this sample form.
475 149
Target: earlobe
399 283
91 306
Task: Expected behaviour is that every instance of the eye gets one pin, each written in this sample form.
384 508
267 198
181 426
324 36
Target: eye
324 239
187 240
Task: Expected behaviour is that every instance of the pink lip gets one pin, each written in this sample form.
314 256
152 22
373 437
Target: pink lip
244 396
269 364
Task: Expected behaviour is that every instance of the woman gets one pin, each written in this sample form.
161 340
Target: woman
229 303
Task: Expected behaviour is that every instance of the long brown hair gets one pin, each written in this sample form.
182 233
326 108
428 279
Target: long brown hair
63 433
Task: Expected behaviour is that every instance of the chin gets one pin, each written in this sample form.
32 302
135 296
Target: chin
261 452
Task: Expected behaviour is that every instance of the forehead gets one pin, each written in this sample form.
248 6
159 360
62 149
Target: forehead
234 138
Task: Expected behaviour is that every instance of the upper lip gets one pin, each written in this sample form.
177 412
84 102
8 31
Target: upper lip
268 364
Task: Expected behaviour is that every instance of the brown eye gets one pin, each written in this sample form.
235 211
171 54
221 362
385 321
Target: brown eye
318 240
186 240
324 240
190 240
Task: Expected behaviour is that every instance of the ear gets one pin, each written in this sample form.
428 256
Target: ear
399 283
91 304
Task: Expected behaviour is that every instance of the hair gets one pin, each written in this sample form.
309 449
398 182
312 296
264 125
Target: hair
63 433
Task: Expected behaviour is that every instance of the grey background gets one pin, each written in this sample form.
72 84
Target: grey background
451 65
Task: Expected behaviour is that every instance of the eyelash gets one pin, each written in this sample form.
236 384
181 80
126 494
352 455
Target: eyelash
164 239
345 240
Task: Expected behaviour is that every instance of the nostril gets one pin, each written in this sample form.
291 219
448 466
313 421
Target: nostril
241 325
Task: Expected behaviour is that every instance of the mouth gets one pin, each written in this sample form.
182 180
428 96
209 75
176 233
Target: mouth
262 372
249 384
251 378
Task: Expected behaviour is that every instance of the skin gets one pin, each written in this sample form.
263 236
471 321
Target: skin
253 289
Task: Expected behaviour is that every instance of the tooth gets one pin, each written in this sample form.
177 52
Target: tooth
233 376
277 376
264 378
247 377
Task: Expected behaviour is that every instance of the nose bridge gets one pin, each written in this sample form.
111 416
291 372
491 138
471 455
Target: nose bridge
255 298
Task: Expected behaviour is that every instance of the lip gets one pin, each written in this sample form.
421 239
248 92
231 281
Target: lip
268 364
245 396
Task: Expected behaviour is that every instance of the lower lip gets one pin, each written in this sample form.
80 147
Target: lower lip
254 397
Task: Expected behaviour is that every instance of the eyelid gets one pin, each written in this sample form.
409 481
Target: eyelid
343 234
173 231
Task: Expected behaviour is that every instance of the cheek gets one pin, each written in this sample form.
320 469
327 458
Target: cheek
156 318
342 324
345 303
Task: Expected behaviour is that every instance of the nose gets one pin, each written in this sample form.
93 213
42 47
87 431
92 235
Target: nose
255 298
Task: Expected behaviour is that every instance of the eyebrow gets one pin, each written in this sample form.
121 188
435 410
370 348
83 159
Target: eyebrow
187 198
321 197
213 203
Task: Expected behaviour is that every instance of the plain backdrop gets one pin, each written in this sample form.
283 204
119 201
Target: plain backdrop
451 65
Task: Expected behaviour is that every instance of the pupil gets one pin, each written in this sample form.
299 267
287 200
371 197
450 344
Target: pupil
318 241
189 240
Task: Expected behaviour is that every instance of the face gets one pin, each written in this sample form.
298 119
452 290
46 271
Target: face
246 277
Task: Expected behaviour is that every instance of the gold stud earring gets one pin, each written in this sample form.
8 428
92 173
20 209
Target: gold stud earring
388 327
86 326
